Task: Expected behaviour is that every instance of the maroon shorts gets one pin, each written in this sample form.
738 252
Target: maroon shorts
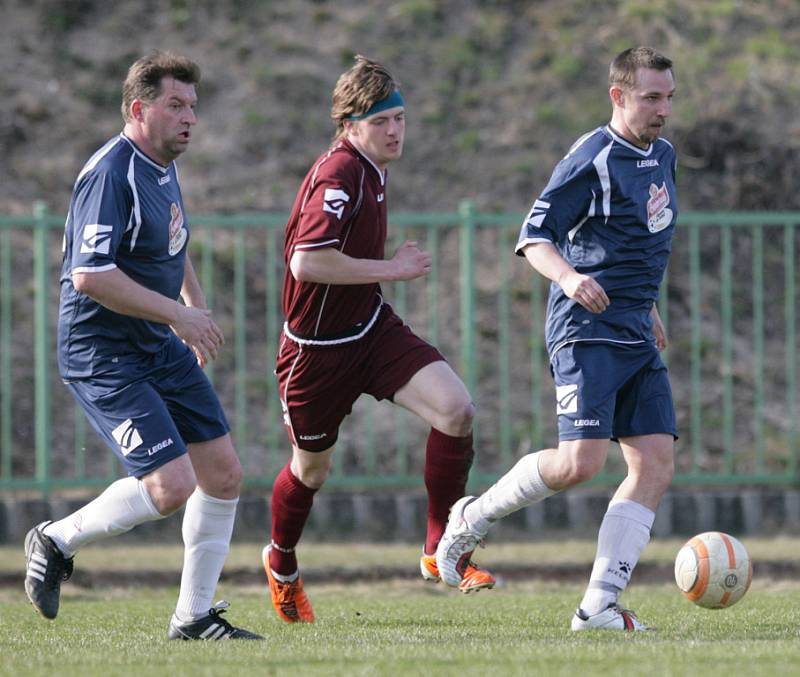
318 384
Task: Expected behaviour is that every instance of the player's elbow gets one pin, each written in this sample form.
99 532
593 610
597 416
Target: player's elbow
301 268
85 283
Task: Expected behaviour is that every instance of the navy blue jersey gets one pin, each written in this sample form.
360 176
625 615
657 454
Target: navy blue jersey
126 212
610 209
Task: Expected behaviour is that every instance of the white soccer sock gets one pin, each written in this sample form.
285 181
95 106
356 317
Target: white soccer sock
624 533
519 487
118 509
207 529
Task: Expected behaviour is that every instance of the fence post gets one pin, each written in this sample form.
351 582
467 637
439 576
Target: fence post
41 347
5 354
467 250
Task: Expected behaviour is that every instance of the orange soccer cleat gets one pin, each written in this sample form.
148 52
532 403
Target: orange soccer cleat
289 599
474 578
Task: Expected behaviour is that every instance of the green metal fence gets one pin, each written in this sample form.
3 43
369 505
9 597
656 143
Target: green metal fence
728 302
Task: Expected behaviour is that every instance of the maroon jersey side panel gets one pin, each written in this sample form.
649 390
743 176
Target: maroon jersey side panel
340 204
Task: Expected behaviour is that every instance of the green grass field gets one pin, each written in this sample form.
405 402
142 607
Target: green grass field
400 627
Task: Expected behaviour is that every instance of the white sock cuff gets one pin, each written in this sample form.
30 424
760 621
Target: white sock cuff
219 506
633 511
145 496
531 463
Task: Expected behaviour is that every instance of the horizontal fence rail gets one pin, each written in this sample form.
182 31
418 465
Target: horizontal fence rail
728 302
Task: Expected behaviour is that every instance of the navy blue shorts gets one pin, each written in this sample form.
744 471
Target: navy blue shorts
611 391
150 407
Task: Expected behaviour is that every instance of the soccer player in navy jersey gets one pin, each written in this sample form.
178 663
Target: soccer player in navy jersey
132 355
341 339
601 232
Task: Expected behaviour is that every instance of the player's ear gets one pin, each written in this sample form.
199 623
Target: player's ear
350 127
137 110
617 95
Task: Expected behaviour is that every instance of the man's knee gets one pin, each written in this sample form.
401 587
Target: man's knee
217 467
457 417
229 479
312 469
576 462
170 486
659 467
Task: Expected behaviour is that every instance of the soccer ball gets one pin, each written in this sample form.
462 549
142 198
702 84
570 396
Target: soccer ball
713 570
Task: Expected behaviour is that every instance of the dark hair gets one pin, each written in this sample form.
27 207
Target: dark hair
358 89
622 71
144 77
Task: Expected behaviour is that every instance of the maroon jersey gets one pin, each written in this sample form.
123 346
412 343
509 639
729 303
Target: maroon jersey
342 204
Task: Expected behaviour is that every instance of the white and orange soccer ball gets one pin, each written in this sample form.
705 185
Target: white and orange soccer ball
713 570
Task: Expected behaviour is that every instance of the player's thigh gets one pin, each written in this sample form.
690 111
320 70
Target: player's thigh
171 484
217 467
190 398
311 467
644 405
654 453
586 384
577 460
435 391
134 421
317 389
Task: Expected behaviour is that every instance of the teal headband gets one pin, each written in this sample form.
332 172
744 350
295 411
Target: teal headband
394 100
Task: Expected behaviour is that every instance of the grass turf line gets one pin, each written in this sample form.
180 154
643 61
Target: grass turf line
408 629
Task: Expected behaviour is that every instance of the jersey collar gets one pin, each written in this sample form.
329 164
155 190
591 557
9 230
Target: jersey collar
144 157
381 175
628 144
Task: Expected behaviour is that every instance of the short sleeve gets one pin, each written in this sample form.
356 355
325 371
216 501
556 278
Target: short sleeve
331 199
565 201
100 212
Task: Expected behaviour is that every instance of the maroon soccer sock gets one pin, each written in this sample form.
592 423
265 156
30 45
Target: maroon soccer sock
447 463
291 504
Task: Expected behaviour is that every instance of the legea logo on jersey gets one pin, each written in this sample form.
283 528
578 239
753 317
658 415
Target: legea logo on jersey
659 215
127 437
334 201
537 213
177 233
96 239
567 399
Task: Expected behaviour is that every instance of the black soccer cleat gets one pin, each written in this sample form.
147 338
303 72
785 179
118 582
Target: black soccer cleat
213 626
46 569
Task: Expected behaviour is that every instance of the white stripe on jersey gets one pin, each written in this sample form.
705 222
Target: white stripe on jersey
529 240
153 164
350 220
98 156
600 163
589 214
312 245
581 141
314 176
137 212
628 144
94 269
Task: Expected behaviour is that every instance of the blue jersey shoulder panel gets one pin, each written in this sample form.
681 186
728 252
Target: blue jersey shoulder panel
126 212
610 208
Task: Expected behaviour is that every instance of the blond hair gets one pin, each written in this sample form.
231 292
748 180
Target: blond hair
358 89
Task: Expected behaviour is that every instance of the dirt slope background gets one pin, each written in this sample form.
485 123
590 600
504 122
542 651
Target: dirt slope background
496 92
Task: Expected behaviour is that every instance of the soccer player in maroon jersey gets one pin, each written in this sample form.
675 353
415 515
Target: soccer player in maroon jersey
341 339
